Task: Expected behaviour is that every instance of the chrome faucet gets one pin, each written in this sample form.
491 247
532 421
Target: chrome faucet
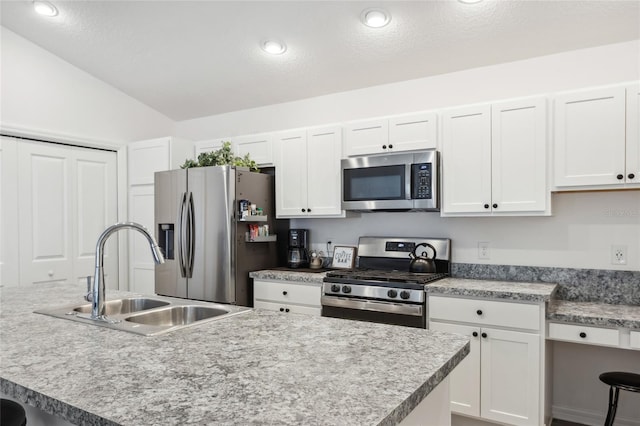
98 288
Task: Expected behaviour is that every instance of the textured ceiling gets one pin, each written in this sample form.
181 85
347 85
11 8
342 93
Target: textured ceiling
189 59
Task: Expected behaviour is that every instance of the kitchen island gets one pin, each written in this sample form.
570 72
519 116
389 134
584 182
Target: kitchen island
258 367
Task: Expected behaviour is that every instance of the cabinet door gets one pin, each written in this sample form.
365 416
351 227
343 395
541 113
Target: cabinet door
519 156
510 372
590 137
465 378
413 132
466 160
146 158
366 137
259 147
141 266
324 182
9 234
632 170
208 146
291 174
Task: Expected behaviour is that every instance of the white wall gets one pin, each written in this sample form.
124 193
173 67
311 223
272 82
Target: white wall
583 226
44 96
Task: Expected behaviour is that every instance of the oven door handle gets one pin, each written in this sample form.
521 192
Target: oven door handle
370 305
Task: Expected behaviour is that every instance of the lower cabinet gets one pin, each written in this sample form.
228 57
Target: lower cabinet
287 296
501 378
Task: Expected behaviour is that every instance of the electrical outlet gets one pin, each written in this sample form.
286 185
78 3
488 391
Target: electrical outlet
618 255
483 250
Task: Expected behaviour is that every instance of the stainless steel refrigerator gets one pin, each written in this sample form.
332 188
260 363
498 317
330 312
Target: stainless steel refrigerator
204 240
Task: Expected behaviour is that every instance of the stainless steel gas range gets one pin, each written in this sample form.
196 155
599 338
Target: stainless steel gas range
381 289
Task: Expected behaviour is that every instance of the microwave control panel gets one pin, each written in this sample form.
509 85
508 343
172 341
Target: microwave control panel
421 181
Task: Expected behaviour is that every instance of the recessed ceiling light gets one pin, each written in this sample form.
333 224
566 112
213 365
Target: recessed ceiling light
375 18
274 47
45 8
469 1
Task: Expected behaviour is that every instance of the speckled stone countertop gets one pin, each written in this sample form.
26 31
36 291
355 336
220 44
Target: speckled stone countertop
259 367
590 313
531 292
289 275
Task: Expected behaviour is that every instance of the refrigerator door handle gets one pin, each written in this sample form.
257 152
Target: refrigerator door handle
190 236
182 237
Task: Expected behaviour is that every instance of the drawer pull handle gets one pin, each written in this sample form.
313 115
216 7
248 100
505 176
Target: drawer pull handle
484 335
284 293
286 310
583 334
475 334
479 312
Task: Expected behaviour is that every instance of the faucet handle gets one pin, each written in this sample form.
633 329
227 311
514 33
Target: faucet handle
89 296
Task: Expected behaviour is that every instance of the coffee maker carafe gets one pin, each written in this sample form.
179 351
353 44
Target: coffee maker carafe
298 253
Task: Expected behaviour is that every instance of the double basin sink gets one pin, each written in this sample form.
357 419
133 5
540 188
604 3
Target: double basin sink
148 316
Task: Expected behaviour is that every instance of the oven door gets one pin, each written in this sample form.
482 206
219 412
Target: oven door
406 314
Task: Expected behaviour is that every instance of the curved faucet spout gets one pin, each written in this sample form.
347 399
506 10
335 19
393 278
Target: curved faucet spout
98 288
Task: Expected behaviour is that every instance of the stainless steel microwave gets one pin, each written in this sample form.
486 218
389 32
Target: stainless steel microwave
402 181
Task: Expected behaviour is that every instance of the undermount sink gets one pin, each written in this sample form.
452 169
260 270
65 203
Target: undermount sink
177 315
125 306
148 316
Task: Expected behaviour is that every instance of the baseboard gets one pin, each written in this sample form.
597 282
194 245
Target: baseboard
588 417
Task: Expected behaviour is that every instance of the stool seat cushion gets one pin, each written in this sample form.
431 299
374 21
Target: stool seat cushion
12 413
622 380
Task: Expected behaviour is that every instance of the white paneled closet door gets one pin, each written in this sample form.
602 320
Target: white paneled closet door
66 198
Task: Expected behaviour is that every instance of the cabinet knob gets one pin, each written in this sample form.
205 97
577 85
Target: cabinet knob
304 210
390 146
50 273
384 147
620 177
281 309
486 206
479 312
484 335
284 293
474 334
495 206
286 310
583 334
309 210
631 176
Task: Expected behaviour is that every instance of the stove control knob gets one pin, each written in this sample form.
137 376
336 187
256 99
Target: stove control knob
405 294
392 293
346 289
335 288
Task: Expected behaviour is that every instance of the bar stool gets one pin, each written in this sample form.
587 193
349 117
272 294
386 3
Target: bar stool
12 413
618 380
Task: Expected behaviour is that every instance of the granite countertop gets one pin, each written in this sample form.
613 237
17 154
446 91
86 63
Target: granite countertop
521 291
259 367
590 313
284 274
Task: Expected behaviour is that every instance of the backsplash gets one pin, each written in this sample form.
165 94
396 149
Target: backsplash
583 285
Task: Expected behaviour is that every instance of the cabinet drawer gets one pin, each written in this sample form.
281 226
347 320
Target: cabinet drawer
634 340
284 308
584 334
274 291
485 312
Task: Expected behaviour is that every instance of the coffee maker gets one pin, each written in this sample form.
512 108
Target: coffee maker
298 252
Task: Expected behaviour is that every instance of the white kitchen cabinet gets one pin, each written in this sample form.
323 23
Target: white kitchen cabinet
500 380
308 182
580 333
494 159
9 216
410 132
144 159
259 147
200 147
287 296
596 138
67 196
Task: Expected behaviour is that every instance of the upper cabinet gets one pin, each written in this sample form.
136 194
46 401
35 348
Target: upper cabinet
597 139
308 173
259 147
494 159
410 132
154 155
208 146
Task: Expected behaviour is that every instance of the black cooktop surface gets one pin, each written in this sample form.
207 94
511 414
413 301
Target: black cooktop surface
386 276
